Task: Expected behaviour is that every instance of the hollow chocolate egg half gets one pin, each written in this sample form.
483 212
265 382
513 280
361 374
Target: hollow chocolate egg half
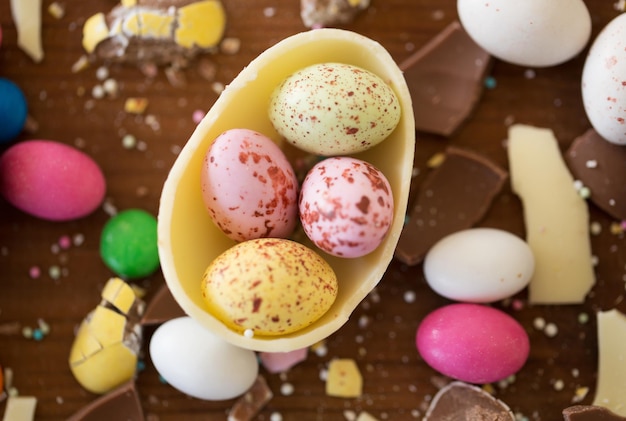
189 241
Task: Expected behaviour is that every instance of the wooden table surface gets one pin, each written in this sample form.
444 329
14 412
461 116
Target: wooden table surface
397 382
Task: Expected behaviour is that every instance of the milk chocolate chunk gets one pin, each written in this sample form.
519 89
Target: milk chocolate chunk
455 196
249 405
162 308
590 413
445 79
462 401
601 167
120 404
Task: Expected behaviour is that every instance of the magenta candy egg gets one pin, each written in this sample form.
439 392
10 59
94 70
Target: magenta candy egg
346 206
472 342
249 187
51 180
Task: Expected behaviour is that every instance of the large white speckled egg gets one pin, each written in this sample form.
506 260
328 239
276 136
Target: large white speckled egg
604 82
334 109
269 287
249 187
346 206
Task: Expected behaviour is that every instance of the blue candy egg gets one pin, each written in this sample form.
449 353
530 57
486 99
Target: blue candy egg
13 110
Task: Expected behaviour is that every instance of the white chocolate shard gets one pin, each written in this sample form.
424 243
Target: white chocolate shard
20 408
611 382
555 216
27 18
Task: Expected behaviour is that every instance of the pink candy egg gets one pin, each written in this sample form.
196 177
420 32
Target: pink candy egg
346 206
51 180
249 187
472 342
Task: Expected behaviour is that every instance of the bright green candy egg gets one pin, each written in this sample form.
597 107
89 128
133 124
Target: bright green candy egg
128 244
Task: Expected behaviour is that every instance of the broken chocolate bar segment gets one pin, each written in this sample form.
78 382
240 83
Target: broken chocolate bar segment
162 308
462 401
121 403
590 413
445 79
601 167
249 405
157 31
328 13
455 196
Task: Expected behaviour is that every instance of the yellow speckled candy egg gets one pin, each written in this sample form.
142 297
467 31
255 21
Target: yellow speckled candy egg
269 287
334 109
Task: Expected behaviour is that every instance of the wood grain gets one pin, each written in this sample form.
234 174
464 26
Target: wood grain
397 382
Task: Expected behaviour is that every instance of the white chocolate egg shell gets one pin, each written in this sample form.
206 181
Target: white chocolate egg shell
189 241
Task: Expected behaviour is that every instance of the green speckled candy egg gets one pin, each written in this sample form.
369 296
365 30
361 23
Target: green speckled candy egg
269 287
334 109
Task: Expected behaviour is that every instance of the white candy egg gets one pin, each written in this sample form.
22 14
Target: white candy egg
479 265
604 82
198 363
535 33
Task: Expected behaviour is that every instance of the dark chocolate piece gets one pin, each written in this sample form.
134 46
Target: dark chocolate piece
162 307
249 405
462 401
445 80
455 196
590 413
120 404
600 166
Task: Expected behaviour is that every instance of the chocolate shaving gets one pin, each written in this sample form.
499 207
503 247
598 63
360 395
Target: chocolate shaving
590 413
120 404
252 401
600 166
445 80
462 401
455 196
162 308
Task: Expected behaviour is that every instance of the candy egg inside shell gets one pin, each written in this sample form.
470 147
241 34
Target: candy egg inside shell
189 241
269 286
346 206
249 187
333 109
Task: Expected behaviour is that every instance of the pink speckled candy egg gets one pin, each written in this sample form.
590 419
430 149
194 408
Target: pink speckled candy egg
474 343
346 206
249 187
51 180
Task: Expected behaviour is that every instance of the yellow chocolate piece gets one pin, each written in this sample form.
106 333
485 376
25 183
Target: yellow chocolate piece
611 382
120 294
156 25
344 379
104 352
136 105
131 25
95 31
200 24
129 3
556 217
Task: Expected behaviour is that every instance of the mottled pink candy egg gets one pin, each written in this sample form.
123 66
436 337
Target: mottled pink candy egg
51 180
249 187
346 206
474 343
